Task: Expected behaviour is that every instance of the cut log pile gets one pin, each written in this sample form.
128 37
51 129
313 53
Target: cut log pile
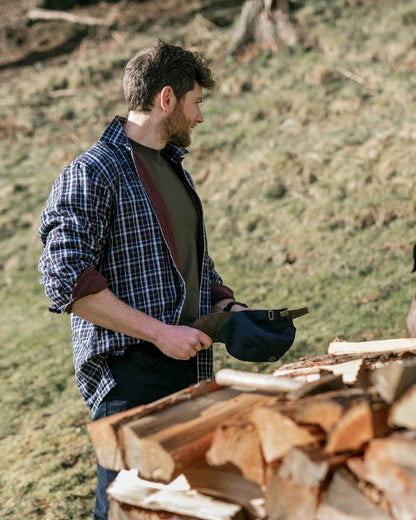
328 437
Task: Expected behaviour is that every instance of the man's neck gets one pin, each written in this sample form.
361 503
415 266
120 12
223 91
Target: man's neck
142 128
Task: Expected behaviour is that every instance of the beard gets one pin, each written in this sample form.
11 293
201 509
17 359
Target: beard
178 128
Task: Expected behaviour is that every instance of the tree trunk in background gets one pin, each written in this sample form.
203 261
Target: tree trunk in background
266 22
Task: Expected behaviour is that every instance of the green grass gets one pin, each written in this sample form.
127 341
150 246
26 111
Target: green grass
310 200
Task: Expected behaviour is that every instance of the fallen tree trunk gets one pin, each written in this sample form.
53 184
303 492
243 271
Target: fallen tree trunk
62 16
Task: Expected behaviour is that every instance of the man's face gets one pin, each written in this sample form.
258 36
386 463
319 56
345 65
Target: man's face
184 117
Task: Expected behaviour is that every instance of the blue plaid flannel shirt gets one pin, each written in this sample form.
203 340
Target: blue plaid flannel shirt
99 215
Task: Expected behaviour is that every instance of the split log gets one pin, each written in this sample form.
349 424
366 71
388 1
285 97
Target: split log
390 465
120 511
238 443
289 500
393 379
329 362
104 433
304 467
255 381
243 441
313 409
325 383
403 412
161 445
127 488
359 424
228 483
379 346
293 488
278 433
349 370
345 501
325 413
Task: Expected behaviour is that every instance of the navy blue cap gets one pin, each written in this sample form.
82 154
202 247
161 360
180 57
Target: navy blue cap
259 335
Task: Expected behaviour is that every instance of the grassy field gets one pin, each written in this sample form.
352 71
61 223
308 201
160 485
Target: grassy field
306 167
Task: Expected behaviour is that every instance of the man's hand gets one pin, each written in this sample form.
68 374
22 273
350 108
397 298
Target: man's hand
106 310
221 304
181 342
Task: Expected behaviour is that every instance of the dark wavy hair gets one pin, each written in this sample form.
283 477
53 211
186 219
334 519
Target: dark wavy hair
160 66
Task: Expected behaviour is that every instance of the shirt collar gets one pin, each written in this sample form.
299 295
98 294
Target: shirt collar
115 134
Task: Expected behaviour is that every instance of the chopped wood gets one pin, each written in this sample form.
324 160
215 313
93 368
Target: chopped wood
104 433
327 361
324 384
161 445
312 362
121 511
62 16
349 370
325 413
296 408
362 347
393 379
129 489
293 487
287 500
403 412
255 381
228 483
302 467
278 433
341 453
238 443
345 501
390 465
359 424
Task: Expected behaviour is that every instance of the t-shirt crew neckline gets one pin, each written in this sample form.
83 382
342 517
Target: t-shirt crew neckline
152 153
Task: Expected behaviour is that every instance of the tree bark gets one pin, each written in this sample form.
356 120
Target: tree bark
264 22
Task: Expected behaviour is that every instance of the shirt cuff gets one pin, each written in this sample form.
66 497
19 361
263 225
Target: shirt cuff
220 292
89 282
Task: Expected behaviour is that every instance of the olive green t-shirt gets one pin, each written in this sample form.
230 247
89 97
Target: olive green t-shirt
185 223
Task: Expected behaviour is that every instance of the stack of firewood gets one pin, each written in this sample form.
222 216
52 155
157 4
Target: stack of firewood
328 438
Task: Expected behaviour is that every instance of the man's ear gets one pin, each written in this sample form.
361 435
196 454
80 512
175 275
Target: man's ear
167 99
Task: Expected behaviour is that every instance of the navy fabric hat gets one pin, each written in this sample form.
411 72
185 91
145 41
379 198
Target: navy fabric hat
253 335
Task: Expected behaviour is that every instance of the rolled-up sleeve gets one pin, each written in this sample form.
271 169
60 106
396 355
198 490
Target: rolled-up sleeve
219 291
73 230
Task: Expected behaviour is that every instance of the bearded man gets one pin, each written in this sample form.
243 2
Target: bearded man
125 249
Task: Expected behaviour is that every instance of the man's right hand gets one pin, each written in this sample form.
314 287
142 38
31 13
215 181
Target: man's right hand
181 342
106 310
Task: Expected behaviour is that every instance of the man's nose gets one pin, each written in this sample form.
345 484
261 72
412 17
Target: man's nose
199 117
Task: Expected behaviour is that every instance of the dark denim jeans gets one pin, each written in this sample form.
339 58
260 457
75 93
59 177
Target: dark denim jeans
143 375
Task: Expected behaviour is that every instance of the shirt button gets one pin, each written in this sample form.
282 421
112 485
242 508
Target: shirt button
272 358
